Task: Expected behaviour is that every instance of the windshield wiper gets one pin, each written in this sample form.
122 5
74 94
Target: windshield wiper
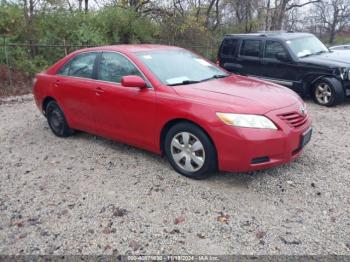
188 82
305 55
185 82
321 52
215 77
317 53
221 76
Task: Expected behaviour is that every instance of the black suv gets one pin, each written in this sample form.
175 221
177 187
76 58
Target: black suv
299 61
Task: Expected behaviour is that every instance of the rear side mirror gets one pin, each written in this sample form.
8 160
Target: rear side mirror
282 57
133 81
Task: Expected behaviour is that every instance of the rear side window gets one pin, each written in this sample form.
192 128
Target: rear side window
250 48
229 47
80 66
272 48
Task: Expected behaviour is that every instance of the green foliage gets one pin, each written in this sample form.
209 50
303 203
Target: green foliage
342 40
124 26
75 28
110 25
32 66
11 19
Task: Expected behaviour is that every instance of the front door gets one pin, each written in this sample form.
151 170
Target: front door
276 70
123 113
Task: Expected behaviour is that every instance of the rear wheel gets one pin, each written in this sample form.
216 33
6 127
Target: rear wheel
57 120
190 151
328 92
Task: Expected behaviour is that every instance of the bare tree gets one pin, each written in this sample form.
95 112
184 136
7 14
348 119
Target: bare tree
29 12
279 9
86 6
332 16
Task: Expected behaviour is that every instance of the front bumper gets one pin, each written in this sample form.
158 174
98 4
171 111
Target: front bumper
249 149
346 85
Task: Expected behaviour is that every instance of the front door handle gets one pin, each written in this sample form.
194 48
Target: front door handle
57 83
99 91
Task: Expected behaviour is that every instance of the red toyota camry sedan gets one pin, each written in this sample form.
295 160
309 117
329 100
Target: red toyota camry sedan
171 101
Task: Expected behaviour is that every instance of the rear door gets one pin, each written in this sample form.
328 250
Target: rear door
249 57
228 54
75 90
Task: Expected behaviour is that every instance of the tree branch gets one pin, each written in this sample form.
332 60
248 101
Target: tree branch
301 5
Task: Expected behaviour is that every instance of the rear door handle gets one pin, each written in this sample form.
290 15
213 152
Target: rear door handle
99 91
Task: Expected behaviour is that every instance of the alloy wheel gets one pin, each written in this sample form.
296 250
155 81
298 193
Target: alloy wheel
187 151
323 93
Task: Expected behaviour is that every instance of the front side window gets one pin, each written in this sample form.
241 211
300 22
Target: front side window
80 66
273 48
114 66
250 48
176 67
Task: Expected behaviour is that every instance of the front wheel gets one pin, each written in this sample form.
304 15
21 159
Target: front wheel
190 151
328 92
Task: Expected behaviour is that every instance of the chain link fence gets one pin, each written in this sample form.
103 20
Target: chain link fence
19 62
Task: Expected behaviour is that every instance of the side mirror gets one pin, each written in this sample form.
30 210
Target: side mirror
282 57
133 81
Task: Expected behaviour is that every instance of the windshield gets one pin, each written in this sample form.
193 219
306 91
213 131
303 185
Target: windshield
306 46
180 67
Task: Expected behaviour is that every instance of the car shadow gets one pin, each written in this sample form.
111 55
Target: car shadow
243 179
225 179
345 103
118 146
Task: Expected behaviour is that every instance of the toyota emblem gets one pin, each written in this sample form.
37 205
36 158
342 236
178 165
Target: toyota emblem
303 110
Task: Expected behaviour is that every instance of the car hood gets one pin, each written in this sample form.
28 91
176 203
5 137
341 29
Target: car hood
240 94
333 59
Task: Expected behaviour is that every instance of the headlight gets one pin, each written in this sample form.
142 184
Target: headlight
242 120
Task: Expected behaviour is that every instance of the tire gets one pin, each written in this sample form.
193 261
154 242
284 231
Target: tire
196 158
57 120
328 92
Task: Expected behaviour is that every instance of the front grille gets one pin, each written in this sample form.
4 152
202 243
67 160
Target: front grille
294 119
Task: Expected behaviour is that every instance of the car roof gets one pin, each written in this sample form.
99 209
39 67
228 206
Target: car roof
270 35
130 48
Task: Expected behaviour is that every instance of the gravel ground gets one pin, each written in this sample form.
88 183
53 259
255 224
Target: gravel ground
89 195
